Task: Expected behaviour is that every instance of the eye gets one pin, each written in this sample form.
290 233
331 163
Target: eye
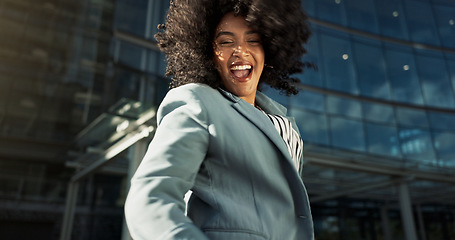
225 42
255 42
254 39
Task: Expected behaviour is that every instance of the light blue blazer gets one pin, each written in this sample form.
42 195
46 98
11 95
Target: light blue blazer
244 183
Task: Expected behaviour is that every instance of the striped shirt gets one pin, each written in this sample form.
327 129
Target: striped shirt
290 136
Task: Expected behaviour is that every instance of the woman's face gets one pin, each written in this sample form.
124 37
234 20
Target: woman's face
239 56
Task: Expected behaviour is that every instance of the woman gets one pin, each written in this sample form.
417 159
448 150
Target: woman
218 135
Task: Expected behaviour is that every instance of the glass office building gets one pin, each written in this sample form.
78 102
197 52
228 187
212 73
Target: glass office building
378 118
80 82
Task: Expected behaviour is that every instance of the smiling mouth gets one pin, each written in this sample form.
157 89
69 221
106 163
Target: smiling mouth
241 72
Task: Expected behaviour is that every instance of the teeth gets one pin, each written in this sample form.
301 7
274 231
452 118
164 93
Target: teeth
241 67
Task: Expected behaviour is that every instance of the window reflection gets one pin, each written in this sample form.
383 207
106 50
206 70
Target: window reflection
412 117
445 19
371 71
421 24
347 134
442 121
339 73
312 126
358 65
344 107
378 113
309 101
404 83
331 11
362 15
444 145
436 85
416 144
451 67
382 140
392 23
309 7
312 76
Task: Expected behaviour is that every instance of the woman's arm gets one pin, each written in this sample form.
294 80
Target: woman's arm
155 207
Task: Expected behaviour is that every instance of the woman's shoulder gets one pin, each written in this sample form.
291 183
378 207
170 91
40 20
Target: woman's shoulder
191 93
193 88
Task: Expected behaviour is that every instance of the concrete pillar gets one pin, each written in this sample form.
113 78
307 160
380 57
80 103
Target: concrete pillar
407 216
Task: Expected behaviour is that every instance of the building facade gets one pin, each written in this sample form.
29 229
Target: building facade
378 118
80 80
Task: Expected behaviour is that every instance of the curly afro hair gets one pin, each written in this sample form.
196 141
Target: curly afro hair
187 37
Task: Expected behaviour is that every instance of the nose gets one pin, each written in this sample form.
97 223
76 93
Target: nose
241 50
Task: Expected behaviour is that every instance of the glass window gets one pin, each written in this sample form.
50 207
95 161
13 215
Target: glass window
451 66
309 100
131 16
421 22
382 140
131 55
338 63
436 85
312 126
153 62
347 134
378 113
416 144
412 117
157 12
371 71
391 19
445 18
275 95
331 11
148 90
127 85
309 7
344 107
442 121
444 142
89 49
361 15
312 76
162 87
403 76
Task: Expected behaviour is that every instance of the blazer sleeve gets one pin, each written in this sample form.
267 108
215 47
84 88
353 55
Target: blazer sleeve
155 208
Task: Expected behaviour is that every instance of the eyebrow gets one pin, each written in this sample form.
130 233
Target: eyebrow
224 33
232 34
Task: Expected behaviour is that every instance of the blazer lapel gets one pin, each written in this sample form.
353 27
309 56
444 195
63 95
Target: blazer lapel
270 106
260 120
